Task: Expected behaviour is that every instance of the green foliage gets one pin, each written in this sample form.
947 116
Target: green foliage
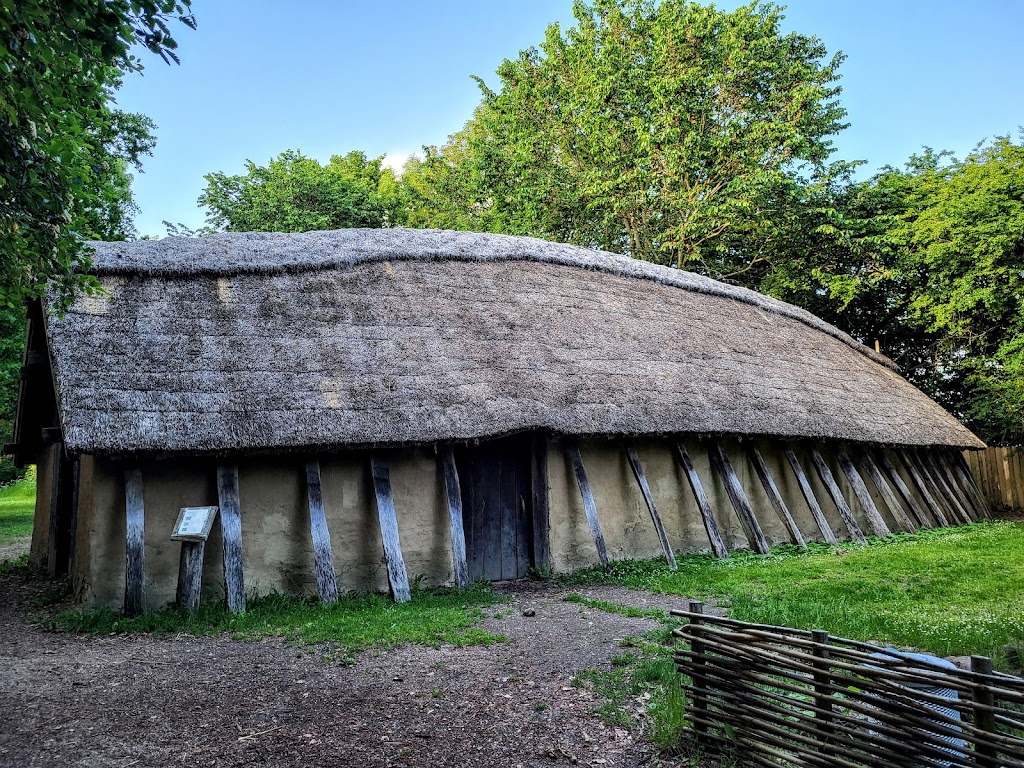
294 193
353 624
17 508
950 591
62 172
670 131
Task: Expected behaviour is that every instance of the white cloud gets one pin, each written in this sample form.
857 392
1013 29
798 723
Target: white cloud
395 161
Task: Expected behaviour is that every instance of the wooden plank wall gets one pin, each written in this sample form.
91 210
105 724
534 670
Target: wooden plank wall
1000 475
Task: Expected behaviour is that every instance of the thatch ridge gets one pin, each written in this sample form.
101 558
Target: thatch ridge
234 253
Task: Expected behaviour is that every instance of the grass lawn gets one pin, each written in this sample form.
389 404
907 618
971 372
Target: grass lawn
353 624
17 507
954 591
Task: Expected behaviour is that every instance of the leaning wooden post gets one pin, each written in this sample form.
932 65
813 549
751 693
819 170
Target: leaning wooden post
822 684
699 705
738 499
706 513
231 536
810 498
772 491
887 492
984 714
573 452
135 543
453 491
969 482
645 489
837 497
956 482
323 558
397 576
860 490
925 489
908 495
956 504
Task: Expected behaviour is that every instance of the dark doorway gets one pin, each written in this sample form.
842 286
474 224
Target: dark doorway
496 497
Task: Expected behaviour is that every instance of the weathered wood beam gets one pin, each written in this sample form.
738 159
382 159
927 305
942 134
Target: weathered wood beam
738 499
190 574
135 543
541 529
397 576
969 482
891 499
917 512
706 513
860 490
950 469
924 487
812 502
645 489
837 496
453 493
323 558
231 536
572 450
772 491
57 468
958 513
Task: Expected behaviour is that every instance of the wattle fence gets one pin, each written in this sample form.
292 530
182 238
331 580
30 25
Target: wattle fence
1000 475
772 696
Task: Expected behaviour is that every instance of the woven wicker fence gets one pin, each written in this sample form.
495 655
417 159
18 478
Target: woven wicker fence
1000 475
772 696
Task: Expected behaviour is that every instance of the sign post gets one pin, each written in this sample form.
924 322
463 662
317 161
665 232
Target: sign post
192 529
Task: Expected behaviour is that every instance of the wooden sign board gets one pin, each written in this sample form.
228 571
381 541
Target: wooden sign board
194 524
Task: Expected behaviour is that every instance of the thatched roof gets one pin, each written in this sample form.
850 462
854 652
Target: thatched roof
242 342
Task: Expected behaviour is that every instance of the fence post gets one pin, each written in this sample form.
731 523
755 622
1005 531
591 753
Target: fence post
822 685
984 719
699 706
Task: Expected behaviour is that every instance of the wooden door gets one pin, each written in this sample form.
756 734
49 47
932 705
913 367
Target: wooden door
495 479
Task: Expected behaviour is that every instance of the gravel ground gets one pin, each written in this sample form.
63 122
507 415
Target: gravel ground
123 701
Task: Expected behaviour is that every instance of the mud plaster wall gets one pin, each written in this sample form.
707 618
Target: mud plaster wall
276 544
626 523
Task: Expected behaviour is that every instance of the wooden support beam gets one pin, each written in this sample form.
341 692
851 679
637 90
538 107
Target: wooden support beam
772 491
135 543
860 490
231 536
917 512
958 513
956 482
891 499
924 487
57 468
969 482
540 511
397 576
809 497
572 450
837 496
740 503
645 489
323 558
453 492
706 513
190 574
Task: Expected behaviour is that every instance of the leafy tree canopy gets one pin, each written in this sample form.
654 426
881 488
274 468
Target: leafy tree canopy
670 131
294 193
63 148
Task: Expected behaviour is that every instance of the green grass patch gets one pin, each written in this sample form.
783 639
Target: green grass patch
953 591
618 608
17 508
642 684
355 623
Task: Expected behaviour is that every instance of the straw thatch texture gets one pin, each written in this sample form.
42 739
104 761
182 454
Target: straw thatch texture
331 339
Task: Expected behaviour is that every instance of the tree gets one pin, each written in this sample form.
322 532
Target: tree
670 131
294 193
58 65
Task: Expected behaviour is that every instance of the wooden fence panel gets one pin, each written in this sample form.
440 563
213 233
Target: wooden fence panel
999 473
773 696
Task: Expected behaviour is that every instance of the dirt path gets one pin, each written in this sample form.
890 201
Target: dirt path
140 701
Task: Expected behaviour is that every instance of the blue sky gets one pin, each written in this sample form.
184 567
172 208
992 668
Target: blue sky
388 76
